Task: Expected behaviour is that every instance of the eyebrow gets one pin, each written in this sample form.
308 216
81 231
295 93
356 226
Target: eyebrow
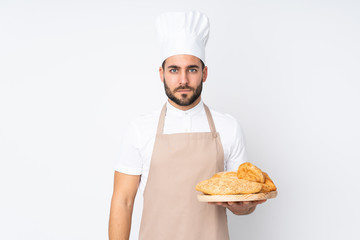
173 66
190 66
193 66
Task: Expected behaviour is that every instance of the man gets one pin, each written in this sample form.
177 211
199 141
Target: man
165 154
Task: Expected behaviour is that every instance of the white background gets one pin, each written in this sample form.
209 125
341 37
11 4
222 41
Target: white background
73 73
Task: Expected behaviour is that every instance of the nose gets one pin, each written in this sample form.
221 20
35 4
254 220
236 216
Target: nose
184 78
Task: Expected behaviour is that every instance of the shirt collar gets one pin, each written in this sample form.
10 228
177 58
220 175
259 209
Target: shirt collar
173 111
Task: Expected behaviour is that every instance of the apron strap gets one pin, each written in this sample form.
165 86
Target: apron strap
161 122
210 119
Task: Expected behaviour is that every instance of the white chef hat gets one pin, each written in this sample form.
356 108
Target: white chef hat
183 33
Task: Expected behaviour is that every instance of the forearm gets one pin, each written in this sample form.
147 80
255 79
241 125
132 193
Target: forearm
120 220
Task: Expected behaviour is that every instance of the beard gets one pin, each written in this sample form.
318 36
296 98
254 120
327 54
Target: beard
185 99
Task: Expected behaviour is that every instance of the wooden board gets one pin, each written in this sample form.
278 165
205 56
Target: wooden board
236 198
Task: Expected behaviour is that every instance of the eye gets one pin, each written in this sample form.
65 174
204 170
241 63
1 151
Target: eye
193 70
173 70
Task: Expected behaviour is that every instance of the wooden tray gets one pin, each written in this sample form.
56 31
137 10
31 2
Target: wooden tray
236 198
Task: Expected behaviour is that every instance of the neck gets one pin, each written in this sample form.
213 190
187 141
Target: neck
184 108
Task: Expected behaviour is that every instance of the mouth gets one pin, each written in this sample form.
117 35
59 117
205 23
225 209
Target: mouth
183 91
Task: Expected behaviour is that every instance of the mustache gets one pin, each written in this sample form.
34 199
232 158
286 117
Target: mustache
184 87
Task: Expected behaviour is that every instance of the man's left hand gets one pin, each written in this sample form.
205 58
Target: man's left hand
240 208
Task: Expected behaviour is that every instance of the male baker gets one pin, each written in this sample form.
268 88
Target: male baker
166 153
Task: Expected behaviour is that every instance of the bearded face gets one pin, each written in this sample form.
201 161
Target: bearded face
183 77
188 95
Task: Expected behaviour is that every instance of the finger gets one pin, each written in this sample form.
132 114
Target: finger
236 204
225 205
255 203
219 203
215 203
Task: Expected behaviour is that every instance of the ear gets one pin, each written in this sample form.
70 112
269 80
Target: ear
205 73
161 72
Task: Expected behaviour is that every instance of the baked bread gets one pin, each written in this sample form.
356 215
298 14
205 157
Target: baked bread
226 174
227 186
247 180
250 172
269 185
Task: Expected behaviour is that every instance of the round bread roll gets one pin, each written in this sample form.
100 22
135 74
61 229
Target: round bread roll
249 172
